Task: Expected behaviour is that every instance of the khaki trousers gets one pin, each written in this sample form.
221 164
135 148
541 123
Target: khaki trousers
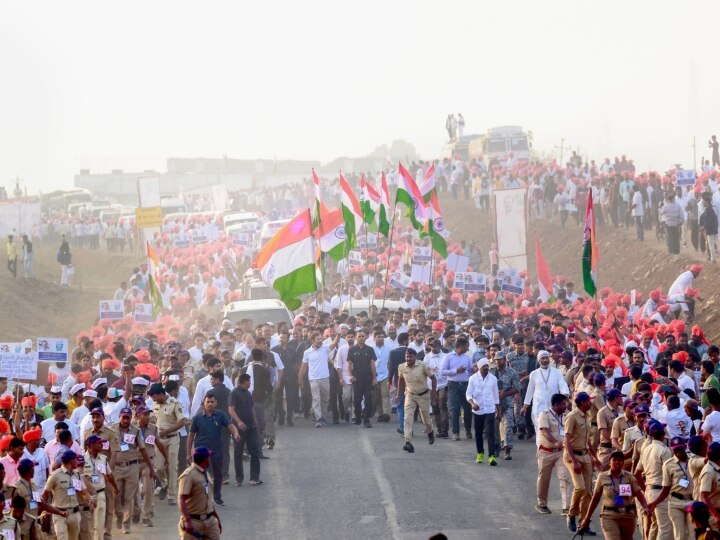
146 506
167 473
682 526
618 527
209 529
582 484
86 522
547 463
98 522
67 528
660 528
423 404
127 479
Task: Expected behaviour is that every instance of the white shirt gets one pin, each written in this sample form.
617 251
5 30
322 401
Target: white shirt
712 425
48 428
40 459
413 303
342 363
637 200
484 392
317 362
195 356
686 383
682 282
542 384
78 414
434 361
678 423
202 388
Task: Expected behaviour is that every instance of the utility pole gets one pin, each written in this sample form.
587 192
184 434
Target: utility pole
562 150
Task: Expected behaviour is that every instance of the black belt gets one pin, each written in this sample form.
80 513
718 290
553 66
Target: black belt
620 509
201 517
421 393
594 424
128 463
85 508
73 510
99 490
169 436
606 445
580 452
682 498
655 486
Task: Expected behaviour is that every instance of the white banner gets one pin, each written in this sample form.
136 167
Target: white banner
19 366
510 210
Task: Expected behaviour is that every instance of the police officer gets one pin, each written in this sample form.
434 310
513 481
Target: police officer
199 519
126 465
149 434
678 483
170 419
579 457
652 457
8 525
28 525
606 415
618 489
97 471
109 447
67 490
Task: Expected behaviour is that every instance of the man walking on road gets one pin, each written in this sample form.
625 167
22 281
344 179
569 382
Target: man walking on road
413 376
243 414
482 394
361 364
316 363
456 367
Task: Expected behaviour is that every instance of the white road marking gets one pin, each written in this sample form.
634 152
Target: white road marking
383 484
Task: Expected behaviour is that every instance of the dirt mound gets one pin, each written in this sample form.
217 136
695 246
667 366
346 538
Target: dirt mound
625 263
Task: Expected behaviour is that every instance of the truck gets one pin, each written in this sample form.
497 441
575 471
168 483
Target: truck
497 144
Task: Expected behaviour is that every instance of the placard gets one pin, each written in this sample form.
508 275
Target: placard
146 218
19 365
512 285
199 237
181 240
355 258
245 226
685 177
52 349
369 241
11 348
420 273
471 281
241 239
400 280
457 263
422 255
143 313
113 310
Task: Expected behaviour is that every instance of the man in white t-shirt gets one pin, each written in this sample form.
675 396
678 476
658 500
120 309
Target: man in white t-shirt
316 363
711 424
637 211
341 366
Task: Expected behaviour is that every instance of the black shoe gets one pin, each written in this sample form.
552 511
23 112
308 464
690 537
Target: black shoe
571 523
356 421
409 447
271 444
393 410
443 435
290 423
542 509
136 519
386 417
367 425
468 434
263 456
587 532
431 438
219 502
163 493
400 431
347 417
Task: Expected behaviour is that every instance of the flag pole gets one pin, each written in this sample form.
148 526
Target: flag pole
387 265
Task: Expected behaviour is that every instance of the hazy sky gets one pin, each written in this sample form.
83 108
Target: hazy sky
127 84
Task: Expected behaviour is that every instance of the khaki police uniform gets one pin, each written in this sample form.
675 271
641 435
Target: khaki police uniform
710 482
32 495
64 486
549 458
146 507
29 527
9 528
606 416
127 471
417 394
108 449
577 425
598 401
677 477
195 483
618 521
652 457
695 467
95 471
168 414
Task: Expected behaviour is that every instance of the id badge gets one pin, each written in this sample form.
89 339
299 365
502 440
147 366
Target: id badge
150 440
562 432
36 496
71 492
129 438
206 490
684 483
106 445
8 534
124 447
101 468
33 505
8 503
625 490
95 479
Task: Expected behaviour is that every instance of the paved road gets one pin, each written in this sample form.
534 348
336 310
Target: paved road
350 482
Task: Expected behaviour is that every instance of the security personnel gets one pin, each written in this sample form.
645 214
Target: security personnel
551 433
199 519
170 419
29 528
67 490
605 418
97 471
126 465
579 456
678 483
109 447
617 489
412 382
710 483
652 457
149 433
8 525
28 490
598 401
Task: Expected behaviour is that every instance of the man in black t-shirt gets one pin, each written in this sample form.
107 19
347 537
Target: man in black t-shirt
361 365
242 411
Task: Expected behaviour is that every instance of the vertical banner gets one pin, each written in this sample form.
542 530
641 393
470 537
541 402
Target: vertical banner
510 219
148 188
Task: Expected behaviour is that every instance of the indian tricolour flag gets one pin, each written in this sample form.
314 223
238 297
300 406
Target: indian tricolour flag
153 291
435 226
316 202
369 201
427 188
590 255
409 194
331 235
350 211
287 262
384 210
544 276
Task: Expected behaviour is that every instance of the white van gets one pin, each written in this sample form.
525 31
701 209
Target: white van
356 306
269 230
249 219
259 312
